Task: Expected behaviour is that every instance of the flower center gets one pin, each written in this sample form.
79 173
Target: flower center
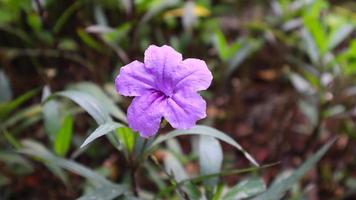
166 94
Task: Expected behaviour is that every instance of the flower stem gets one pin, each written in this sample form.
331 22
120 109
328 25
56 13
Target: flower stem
134 183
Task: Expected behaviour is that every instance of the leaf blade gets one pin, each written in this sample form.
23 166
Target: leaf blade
204 130
277 190
103 129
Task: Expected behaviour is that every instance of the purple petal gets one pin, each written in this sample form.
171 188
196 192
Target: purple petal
134 80
162 61
184 108
145 113
192 74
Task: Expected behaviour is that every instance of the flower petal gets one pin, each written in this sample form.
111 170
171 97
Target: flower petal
162 61
134 80
184 108
193 74
145 113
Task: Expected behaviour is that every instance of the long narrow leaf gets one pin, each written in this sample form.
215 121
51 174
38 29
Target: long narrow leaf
277 191
102 98
88 103
37 150
103 129
64 136
106 192
204 130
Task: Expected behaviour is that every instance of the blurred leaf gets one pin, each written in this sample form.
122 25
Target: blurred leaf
218 193
278 190
246 189
198 10
67 44
127 137
51 114
106 192
102 98
310 46
299 83
4 180
313 24
8 107
66 15
348 59
210 158
224 50
177 171
117 34
156 9
64 136
88 103
246 49
334 110
199 179
34 21
37 150
203 130
16 163
103 129
174 146
189 18
27 114
90 41
174 167
339 35
12 140
5 89
310 110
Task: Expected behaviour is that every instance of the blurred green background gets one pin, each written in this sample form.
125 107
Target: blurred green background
284 84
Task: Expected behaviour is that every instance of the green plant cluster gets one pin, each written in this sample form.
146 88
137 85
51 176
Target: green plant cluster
55 120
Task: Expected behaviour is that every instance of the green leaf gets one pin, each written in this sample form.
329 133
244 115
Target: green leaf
245 49
34 21
66 15
203 130
51 114
310 46
156 9
5 89
8 107
64 136
221 45
16 163
210 158
199 179
106 192
246 189
90 41
278 190
314 25
11 139
339 35
88 103
174 167
102 98
35 149
348 59
300 84
103 129
23 117
118 34
176 170
127 138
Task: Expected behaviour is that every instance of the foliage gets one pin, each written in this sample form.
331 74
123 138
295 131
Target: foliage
57 96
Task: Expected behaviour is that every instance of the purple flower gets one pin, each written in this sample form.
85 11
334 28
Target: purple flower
166 86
